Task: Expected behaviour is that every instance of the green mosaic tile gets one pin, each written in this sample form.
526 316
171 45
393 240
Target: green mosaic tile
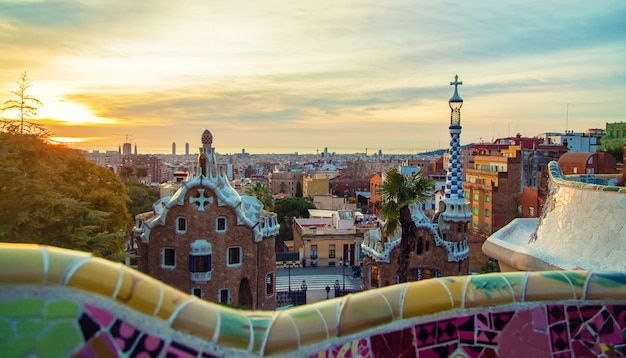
234 329
60 309
30 307
30 327
19 347
260 326
6 330
59 340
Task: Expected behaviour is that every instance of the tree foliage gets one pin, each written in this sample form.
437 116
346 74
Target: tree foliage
286 209
26 107
397 193
261 192
141 196
53 195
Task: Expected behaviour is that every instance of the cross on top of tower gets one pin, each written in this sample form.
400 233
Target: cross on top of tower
456 83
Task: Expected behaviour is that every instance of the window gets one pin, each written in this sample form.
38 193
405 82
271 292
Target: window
486 212
313 252
475 196
168 257
375 277
466 194
269 284
486 227
200 261
531 211
196 291
234 256
475 225
221 224
181 225
224 296
475 211
331 251
487 198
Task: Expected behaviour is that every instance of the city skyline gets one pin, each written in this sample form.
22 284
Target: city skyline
276 77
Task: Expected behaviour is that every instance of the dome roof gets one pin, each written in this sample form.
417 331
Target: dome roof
207 137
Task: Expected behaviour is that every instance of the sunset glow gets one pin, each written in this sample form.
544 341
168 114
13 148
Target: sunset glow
271 76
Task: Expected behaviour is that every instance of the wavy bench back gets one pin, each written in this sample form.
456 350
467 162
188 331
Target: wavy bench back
56 302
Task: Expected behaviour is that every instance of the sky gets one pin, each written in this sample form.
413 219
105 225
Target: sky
276 76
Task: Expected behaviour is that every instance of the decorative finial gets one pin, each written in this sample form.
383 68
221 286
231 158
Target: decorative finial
456 83
207 137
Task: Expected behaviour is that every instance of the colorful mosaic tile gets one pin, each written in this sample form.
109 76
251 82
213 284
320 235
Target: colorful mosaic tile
476 318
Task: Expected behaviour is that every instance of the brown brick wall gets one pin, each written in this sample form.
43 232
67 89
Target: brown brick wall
257 259
431 256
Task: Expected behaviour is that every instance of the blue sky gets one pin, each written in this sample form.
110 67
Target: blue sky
285 76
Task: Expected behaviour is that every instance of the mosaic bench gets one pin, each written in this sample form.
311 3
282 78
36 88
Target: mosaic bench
62 303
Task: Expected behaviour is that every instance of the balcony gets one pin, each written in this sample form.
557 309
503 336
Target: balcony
200 277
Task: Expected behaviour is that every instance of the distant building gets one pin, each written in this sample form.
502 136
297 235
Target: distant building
174 148
285 183
588 163
614 136
186 148
332 202
326 241
376 180
127 149
498 173
314 185
209 241
575 142
348 185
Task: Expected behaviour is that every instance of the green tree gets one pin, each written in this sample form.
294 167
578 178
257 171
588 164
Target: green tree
397 193
141 196
141 172
59 198
126 173
261 192
286 209
26 107
298 190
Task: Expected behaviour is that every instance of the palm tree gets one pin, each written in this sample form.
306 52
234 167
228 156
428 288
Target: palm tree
397 192
261 192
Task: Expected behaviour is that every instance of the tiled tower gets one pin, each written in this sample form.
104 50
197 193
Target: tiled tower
456 208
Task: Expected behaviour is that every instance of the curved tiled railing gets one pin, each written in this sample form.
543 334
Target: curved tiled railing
583 225
96 307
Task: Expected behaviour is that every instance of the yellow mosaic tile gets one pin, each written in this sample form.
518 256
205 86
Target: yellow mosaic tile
283 335
60 262
310 323
96 275
197 318
393 295
550 285
172 299
24 264
145 294
429 296
330 311
366 310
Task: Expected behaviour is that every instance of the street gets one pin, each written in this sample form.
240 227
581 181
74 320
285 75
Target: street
317 278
